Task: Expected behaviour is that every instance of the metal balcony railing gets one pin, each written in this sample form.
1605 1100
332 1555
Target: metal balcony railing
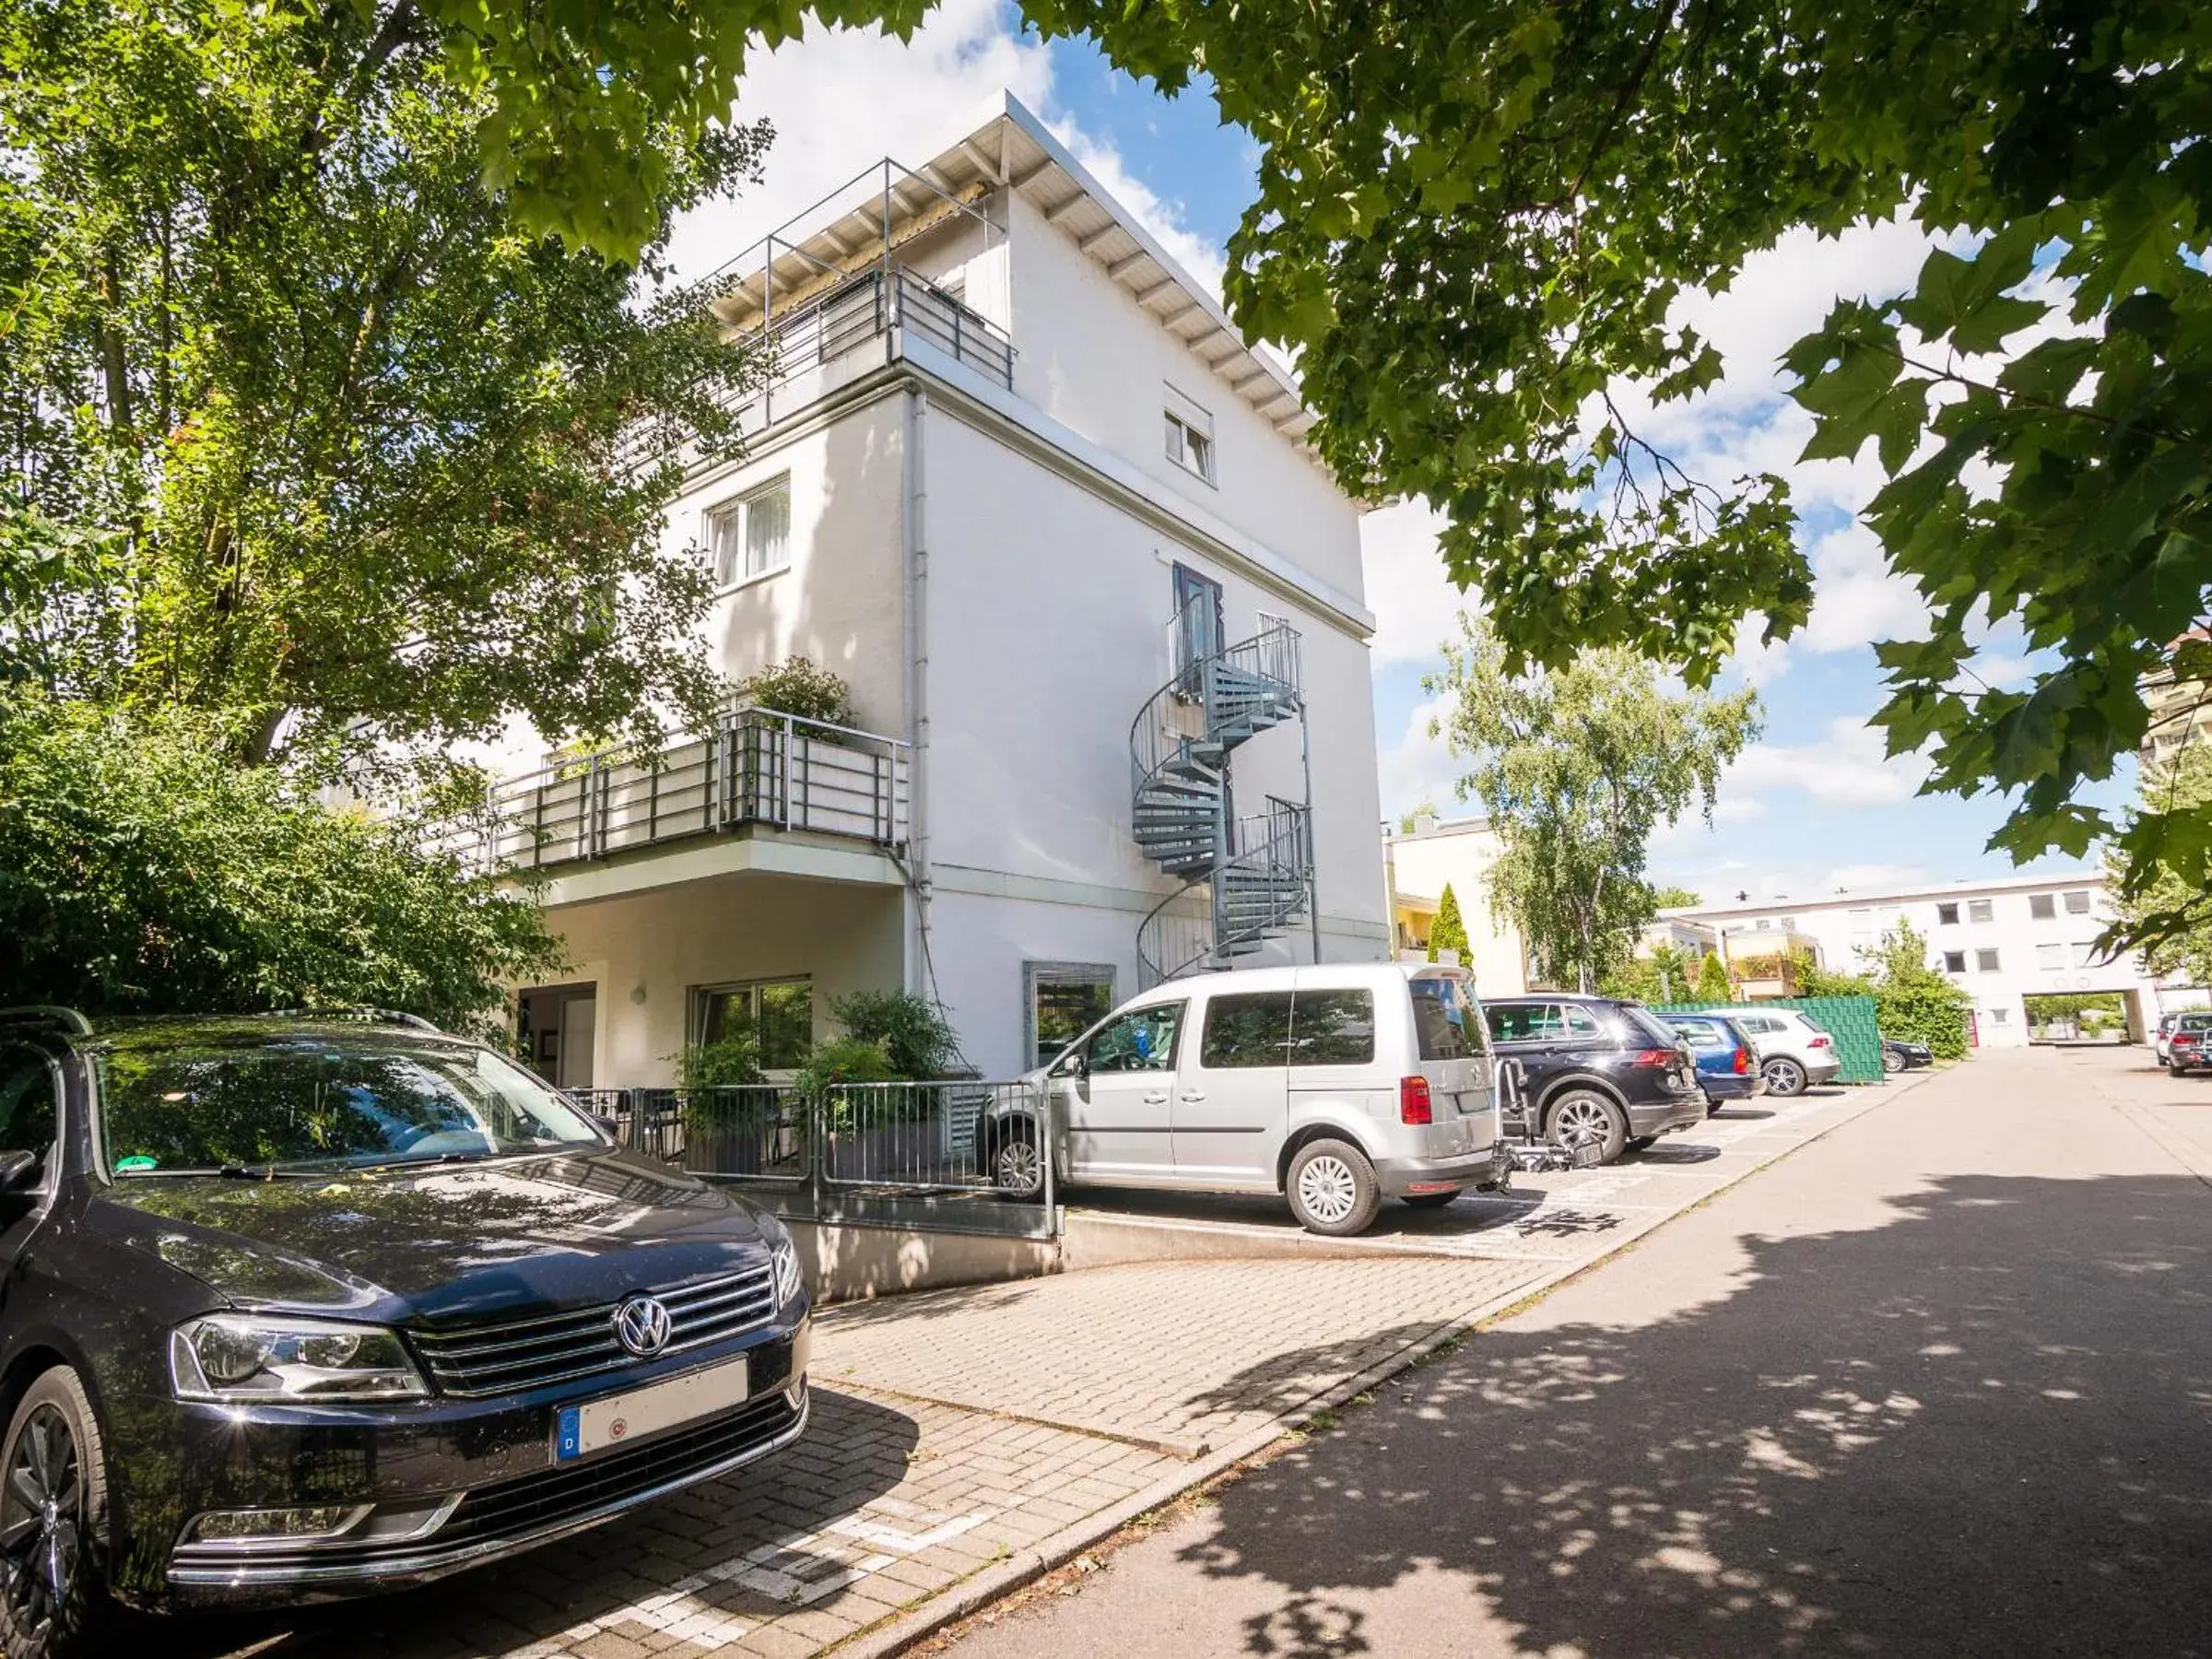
755 767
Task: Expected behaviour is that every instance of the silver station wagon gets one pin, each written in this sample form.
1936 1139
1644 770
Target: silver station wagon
1336 1086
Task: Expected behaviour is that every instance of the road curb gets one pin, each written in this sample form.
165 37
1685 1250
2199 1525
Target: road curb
958 1601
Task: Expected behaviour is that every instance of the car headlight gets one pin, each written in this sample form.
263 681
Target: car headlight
785 1256
236 1358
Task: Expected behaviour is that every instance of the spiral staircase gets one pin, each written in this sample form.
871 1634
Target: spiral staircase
1245 879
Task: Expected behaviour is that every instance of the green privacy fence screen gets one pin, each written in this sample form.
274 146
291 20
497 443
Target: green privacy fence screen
1848 1019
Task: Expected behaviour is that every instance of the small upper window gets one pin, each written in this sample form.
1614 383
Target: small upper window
1986 961
2077 902
1978 910
751 535
1947 915
1190 435
1954 961
2042 907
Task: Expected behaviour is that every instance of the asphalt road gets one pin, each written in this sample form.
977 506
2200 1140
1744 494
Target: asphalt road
1940 1383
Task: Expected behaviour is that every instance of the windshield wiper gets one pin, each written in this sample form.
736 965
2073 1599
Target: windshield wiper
230 1171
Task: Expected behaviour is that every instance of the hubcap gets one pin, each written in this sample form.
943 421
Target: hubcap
1579 1120
39 1516
1326 1188
1018 1170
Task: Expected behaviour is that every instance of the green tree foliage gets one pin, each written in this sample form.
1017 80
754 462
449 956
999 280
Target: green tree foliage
799 685
1449 931
141 872
1474 219
1713 979
1912 1002
1660 975
1576 769
1675 898
2168 908
299 426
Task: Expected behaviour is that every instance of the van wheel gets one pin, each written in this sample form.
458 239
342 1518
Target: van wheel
1581 1114
1333 1189
53 1525
1016 1166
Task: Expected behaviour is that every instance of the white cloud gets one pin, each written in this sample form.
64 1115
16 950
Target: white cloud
1414 601
1847 768
1420 768
1872 878
1163 218
1856 599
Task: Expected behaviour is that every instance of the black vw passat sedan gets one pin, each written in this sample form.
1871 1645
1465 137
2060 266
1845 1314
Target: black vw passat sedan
299 1307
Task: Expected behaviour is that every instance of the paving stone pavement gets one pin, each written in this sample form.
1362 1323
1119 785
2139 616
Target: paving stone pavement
958 1434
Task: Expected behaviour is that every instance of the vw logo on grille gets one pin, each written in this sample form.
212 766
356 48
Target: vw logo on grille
642 1326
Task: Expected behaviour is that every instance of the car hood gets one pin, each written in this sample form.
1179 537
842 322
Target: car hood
454 1241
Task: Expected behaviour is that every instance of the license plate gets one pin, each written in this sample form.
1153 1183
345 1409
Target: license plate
579 1430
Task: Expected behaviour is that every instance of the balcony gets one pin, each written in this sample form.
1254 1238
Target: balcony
756 769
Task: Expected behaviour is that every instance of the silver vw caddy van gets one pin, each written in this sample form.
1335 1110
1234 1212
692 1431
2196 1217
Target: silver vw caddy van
1336 1085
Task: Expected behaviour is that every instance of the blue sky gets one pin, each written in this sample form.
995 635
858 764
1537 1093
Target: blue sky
1814 806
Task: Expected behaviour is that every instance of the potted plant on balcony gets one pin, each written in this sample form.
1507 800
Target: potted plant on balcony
883 1134
800 687
729 1113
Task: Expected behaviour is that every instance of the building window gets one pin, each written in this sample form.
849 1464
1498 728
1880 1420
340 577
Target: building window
2000 1016
1954 961
777 1014
1065 1000
2077 902
1985 961
2086 954
2042 907
1947 915
751 535
2050 956
1978 910
1789 924
1190 431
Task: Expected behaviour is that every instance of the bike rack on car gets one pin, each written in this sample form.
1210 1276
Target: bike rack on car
1531 1154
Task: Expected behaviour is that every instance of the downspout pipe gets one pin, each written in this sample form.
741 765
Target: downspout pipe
913 535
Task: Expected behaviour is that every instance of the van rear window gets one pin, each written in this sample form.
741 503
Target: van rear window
1444 1021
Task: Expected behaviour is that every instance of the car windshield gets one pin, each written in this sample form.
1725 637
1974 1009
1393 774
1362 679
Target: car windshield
1445 1019
314 1103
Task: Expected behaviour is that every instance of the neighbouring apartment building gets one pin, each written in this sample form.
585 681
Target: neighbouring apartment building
1456 852
2180 709
1022 485
2001 941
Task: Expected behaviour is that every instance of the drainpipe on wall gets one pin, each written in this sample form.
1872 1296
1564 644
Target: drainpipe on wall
913 523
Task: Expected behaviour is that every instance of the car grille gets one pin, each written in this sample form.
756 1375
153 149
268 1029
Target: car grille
513 1355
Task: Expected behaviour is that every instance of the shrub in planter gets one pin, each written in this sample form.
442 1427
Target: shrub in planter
917 1044
796 686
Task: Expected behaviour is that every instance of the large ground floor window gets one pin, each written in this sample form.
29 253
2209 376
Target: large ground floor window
1065 999
778 1014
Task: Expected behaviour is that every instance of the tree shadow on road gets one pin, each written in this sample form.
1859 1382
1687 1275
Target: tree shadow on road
1978 1429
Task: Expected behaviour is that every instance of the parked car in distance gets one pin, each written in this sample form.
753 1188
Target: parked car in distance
1598 1065
2164 1035
1334 1086
1794 1052
2189 1045
1899 1055
1728 1065
303 1307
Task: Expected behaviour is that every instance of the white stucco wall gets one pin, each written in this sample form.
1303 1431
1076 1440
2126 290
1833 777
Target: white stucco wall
1090 357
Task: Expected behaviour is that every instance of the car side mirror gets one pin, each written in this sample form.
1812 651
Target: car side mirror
19 1171
1075 1065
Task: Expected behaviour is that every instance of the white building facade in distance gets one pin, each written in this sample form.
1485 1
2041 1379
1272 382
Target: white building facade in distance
2002 942
1022 484
1456 852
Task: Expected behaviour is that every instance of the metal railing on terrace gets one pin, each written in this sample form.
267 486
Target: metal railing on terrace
756 767
927 1154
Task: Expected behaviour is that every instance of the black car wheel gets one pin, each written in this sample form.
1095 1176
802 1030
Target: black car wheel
54 1514
1892 1061
1580 1115
1784 1077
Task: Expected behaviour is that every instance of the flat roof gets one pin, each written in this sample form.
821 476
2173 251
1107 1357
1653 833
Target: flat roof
1862 900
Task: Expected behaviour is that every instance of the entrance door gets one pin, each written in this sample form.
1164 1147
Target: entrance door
579 1016
1198 620
1230 1105
1117 1101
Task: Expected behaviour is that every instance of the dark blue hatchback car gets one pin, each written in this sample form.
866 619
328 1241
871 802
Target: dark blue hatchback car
1728 1065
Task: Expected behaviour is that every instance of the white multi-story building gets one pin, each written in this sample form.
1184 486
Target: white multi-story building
2001 941
1019 482
1458 853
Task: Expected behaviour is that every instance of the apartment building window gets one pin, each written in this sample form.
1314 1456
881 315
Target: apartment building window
1065 999
1947 915
1954 961
2077 902
777 1014
1190 431
1985 961
2086 954
2050 956
751 535
2000 1016
2043 907
1978 910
